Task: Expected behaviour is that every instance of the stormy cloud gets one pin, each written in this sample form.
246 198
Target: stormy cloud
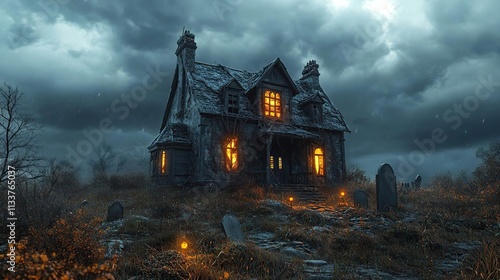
397 70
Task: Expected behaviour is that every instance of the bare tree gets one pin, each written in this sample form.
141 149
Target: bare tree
104 160
488 172
60 175
18 133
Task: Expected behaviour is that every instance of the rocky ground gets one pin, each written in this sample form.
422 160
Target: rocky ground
327 242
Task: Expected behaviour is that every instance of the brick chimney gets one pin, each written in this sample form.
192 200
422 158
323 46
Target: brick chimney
186 50
310 74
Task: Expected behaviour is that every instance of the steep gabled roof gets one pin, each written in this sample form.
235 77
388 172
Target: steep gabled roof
279 65
207 80
173 133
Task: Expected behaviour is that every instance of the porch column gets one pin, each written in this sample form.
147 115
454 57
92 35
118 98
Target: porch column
268 155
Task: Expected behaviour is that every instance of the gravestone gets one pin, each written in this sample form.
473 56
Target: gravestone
84 203
417 182
360 199
115 211
387 193
232 228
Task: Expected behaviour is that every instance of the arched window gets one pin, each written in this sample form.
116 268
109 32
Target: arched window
319 162
163 162
272 104
232 154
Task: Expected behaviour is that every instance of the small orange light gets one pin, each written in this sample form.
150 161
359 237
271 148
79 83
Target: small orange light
184 245
342 193
290 199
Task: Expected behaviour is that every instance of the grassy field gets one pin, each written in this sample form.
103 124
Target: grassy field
437 232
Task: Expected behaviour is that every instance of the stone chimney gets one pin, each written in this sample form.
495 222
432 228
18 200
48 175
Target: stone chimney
186 50
310 74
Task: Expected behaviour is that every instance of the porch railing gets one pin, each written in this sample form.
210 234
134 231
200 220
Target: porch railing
301 178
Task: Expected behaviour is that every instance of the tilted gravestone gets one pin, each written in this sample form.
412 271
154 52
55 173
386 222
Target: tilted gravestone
115 211
418 182
360 199
387 192
232 228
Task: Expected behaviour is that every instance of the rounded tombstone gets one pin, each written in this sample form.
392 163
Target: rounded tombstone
387 193
115 211
418 182
360 199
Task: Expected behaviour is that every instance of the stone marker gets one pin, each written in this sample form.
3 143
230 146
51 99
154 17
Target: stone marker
360 199
387 193
115 211
418 182
84 203
232 228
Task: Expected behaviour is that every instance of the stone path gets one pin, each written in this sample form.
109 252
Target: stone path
314 269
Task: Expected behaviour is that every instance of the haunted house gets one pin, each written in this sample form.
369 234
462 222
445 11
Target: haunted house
225 125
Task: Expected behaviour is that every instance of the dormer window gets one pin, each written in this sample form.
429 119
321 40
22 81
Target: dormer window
272 104
232 102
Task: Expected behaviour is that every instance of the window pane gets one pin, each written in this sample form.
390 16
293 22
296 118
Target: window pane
163 163
232 154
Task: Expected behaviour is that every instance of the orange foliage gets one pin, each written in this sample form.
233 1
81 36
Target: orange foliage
68 250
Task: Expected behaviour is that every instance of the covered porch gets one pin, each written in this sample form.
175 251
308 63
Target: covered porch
290 157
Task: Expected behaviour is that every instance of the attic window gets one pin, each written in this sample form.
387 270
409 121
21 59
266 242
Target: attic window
232 154
272 104
319 163
163 162
232 102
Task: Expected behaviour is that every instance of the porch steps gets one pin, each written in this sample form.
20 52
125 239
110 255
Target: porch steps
301 193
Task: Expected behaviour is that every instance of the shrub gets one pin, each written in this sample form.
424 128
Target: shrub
74 239
68 250
356 176
488 172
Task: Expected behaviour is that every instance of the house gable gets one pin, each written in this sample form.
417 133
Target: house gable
276 73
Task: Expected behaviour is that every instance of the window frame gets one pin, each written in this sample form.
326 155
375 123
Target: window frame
233 151
234 106
162 162
278 104
319 161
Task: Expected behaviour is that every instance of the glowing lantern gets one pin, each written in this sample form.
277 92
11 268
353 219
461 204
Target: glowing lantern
342 201
290 199
184 245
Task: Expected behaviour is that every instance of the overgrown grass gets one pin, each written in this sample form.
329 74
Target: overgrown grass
159 219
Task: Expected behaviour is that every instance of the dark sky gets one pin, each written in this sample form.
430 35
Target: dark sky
401 72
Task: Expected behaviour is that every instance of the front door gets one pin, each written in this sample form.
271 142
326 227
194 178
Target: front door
278 163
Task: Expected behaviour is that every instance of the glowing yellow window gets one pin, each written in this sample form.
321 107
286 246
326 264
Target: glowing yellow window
163 162
319 163
280 163
271 162
232 154
272 104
